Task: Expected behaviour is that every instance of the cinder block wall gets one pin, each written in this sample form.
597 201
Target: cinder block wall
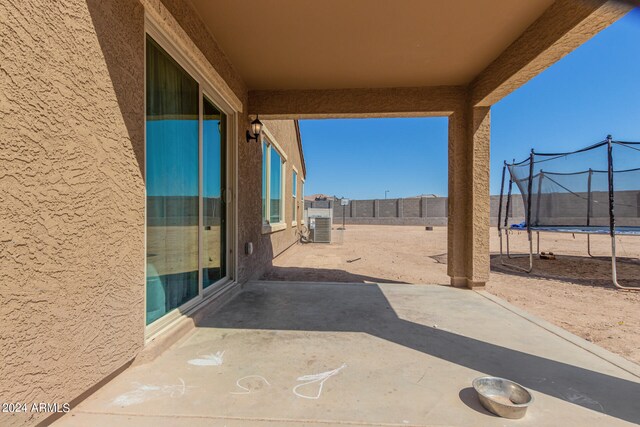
560 209
409 211
388 208
411 208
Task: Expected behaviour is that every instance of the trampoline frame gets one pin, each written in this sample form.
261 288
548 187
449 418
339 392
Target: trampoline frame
576 230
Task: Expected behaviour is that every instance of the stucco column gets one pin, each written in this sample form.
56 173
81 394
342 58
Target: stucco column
468 231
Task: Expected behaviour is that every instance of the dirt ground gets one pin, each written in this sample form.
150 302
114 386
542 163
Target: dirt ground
574 291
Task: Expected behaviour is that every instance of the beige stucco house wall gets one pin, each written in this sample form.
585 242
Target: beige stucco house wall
287 136
71 197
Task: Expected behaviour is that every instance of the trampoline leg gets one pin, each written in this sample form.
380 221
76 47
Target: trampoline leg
517 267
589 245
614 272
531 252
509 251
538 242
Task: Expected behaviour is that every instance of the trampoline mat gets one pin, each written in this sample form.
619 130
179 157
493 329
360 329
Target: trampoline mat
631 231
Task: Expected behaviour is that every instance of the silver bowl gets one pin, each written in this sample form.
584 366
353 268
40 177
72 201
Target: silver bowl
503 397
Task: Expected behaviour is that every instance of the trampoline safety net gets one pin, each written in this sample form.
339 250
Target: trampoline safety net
598 186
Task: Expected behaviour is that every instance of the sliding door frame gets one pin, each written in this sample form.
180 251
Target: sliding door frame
206 88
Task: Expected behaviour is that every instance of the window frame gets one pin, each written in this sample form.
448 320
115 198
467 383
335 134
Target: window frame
294 195
268 142
302 221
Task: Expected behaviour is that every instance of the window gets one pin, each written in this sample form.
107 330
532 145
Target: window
272 186
265 181
275 188
186 221
302 198
294 186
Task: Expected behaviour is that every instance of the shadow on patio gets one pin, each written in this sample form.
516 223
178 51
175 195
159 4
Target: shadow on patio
365 308
311 274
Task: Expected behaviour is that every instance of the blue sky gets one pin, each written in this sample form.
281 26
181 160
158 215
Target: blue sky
593 91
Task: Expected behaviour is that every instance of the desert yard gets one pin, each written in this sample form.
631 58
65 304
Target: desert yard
574 291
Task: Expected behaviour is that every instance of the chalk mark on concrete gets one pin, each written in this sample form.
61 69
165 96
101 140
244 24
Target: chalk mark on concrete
247 390
208 359
144 392
575 396
316 378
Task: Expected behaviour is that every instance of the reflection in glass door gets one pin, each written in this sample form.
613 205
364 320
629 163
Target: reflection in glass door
172 98
214 206
185 167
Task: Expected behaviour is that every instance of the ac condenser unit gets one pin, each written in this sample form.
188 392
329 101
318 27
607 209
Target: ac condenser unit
321 233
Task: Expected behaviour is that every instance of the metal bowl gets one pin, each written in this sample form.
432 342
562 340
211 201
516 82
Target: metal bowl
503 397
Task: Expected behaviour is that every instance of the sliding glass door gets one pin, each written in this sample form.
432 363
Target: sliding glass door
177 204
213 182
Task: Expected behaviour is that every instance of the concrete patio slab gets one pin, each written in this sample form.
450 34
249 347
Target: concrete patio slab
359 354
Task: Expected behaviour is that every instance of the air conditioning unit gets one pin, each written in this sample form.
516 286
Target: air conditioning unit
320 230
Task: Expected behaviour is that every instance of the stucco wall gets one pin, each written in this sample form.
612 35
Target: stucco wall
284 132
71 196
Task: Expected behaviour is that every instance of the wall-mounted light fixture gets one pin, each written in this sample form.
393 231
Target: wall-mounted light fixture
256 128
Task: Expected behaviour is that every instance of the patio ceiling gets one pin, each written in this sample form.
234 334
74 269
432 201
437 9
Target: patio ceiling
337 44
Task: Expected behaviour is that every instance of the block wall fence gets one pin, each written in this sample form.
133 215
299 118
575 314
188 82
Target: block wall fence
407 211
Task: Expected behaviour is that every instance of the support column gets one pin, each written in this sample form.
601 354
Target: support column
423 207
469 202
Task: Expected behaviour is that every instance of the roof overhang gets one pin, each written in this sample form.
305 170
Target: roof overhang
361 50
337 44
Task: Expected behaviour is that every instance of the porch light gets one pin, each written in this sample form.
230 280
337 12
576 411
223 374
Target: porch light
256 128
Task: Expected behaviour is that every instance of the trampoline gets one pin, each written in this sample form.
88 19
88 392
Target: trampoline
578 192
633 231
